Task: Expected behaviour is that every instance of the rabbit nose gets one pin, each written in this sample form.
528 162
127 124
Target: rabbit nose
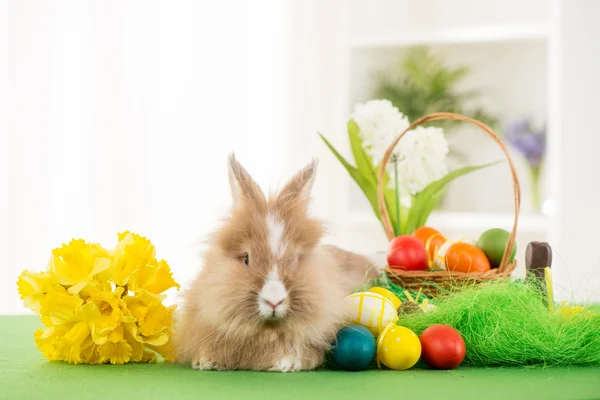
274 305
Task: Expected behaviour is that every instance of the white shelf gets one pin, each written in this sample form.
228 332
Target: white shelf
480 221
498 33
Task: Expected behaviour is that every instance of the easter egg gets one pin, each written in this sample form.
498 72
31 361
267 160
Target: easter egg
439 261
398 347
371 310
432 239
409 307
493 243
407 253
388 295
442 347
354 348
464 257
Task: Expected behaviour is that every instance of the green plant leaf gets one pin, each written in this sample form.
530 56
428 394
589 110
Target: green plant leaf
366 185
390 202
351 169
426 200
364 163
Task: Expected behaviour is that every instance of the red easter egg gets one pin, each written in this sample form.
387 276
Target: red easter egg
407 253
442 347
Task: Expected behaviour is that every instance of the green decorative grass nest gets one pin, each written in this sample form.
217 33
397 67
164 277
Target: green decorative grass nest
509 323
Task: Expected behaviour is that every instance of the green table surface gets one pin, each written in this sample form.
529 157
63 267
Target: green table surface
26 375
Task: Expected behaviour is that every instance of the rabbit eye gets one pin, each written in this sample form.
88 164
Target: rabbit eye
246 259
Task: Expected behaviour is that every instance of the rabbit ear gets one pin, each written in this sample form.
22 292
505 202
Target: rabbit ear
242 185
300 186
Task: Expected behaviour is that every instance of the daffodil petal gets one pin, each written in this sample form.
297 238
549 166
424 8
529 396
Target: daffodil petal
116 353
163 280
34 302
98 338
157 340
117 334
89 312
76 288
100 265
167 351
148 357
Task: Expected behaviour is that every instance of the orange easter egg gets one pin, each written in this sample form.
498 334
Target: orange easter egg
464 257
432 239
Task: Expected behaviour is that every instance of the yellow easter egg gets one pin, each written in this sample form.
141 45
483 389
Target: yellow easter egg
439 259
388 295
398 347
371 310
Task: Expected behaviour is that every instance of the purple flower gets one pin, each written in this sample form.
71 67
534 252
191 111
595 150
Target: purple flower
529 142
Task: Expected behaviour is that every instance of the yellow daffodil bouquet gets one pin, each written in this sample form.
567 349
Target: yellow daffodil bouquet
102 306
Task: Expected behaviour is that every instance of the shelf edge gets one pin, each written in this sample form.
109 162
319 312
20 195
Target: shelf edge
483 34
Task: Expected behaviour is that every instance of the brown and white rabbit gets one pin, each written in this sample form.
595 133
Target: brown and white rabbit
269 297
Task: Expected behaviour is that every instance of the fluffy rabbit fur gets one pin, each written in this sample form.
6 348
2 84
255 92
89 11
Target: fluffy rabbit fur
269 297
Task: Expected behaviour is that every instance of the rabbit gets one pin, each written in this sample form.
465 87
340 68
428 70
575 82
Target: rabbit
269 297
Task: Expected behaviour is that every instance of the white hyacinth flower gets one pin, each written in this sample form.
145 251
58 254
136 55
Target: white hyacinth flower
379 122
421 154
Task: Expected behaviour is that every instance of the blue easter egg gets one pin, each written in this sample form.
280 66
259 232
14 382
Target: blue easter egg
354 349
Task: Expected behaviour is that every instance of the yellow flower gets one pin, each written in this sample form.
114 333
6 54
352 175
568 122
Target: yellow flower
89 354
59 306
100 306
115 352
161 344
148 357
104 313
153 318
154 323
45 339
69 347
76 264
32 287
137 346
158 318
166 350
131 254
94 286
116 349
155 278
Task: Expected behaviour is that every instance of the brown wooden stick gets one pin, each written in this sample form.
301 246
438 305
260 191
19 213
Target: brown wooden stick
385 217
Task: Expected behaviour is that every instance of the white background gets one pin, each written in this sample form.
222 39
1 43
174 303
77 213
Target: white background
119 115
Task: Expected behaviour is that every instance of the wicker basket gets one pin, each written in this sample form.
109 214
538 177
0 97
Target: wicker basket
433 282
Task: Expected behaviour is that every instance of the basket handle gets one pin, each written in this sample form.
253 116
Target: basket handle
457 117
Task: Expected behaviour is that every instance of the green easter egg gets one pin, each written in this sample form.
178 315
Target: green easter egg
493 242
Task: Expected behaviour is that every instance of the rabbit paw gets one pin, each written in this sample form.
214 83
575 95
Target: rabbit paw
203 364
288 364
